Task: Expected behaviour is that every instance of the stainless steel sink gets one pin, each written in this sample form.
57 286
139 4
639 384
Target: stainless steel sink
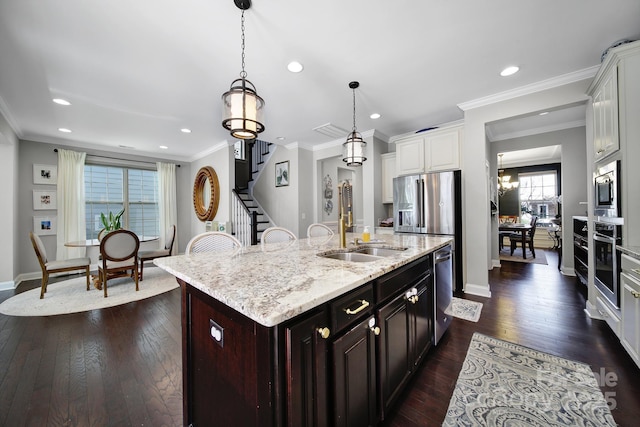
381 252
351 256
362 254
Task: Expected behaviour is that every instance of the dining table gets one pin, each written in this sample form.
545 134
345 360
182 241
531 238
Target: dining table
91 244
517 227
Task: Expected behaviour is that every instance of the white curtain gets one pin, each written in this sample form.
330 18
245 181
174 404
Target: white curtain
71 205
167 201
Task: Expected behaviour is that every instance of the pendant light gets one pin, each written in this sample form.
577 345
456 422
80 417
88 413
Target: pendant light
353 148
242 109
504 181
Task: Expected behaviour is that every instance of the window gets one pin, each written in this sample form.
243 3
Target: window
539 193
105 192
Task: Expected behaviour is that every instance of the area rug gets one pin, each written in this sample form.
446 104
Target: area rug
465 309
540 258
505 384
71 296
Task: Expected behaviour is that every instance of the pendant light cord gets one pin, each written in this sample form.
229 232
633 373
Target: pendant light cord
354 110
243 73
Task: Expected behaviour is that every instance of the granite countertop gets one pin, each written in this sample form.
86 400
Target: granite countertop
632 251
276 284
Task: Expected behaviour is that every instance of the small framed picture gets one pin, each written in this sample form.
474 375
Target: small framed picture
45 225
44 200
45 174
282 174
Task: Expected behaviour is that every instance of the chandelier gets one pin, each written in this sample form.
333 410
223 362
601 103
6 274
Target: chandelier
504 181
242 108
353 148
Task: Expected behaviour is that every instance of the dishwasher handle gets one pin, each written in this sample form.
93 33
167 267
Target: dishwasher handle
442 257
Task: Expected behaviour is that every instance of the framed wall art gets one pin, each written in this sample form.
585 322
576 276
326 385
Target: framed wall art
45 225
44 200
45 174
282 174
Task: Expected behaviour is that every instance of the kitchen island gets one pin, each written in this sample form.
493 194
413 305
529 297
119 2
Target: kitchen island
280 335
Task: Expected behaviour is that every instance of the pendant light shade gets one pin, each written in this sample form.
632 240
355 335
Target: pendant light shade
504 181
242 107
354 146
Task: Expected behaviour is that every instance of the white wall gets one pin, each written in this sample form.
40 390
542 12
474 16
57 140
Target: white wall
475 156
9 212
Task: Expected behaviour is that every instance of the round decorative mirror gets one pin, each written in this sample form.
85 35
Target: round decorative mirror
206 194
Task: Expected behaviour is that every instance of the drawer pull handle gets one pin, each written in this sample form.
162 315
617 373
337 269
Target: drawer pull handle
636 270
414 299
603 314
375 330
635 294
363 304
324 332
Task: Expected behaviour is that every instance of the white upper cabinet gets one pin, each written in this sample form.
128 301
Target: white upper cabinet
429 151
410 155
388 173
605 115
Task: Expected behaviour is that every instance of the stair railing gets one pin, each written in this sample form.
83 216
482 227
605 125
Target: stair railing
245 221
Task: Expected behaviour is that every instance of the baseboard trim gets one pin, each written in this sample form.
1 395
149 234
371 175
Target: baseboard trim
592 311
8 285
478 290
495 263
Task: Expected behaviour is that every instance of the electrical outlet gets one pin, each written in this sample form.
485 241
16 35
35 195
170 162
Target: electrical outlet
216 332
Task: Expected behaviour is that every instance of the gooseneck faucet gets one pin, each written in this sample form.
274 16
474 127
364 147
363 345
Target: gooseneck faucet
342 224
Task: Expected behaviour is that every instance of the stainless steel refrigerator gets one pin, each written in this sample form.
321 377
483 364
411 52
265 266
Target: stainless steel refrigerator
431 204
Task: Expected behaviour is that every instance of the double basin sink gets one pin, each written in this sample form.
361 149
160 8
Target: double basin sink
362 254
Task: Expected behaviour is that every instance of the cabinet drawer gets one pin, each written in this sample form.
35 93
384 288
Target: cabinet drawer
390 284
351 307
612 320
631 266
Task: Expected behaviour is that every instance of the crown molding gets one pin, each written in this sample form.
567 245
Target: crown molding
535 131
4 110
576 76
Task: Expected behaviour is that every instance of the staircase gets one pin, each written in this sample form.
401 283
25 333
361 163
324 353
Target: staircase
249 218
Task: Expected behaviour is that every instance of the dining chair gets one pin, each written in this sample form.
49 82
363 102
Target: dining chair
119 251
57 266
517 238
276 235
318 229
143 256
212 241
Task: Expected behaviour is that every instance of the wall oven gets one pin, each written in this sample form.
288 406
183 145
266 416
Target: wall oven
606 260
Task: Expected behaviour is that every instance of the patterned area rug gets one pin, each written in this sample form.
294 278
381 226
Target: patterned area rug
465 309
71 296
505 384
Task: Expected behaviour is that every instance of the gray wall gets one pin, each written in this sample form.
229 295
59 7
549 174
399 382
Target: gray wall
9 266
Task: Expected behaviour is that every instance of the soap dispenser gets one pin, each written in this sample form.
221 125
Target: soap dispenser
366 236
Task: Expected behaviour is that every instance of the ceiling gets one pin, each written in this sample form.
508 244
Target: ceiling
136 71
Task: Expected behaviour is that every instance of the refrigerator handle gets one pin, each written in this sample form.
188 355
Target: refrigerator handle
418 204
423 220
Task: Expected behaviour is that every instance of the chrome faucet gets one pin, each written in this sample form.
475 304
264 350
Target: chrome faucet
342 224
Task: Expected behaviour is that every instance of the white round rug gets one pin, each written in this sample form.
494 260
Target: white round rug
71 296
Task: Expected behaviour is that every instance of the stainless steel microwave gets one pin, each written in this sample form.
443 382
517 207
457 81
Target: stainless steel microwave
606 183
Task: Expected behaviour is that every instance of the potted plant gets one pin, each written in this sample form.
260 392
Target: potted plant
111 222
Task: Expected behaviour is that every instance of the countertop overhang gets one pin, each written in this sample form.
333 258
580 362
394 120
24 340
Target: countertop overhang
283 280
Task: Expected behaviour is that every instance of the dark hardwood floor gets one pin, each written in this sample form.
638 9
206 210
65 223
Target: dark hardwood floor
122 366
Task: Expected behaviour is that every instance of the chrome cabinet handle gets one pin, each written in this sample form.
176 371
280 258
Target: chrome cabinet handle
363 304
324 332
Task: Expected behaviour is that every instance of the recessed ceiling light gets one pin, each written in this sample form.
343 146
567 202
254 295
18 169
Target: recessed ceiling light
185 130
280 138
544 113
375 116
295 67
509 71
65 130
164 147
61 101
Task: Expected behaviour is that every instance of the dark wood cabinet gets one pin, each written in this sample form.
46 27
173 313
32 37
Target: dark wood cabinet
306 371
354 377
406 334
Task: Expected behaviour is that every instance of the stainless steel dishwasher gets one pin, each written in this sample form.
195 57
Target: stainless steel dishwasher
443 272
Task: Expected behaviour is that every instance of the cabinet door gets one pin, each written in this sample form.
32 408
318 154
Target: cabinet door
410 156
423 319
395 349
354 377
388 173
630 309
442 150
305 371
605 117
